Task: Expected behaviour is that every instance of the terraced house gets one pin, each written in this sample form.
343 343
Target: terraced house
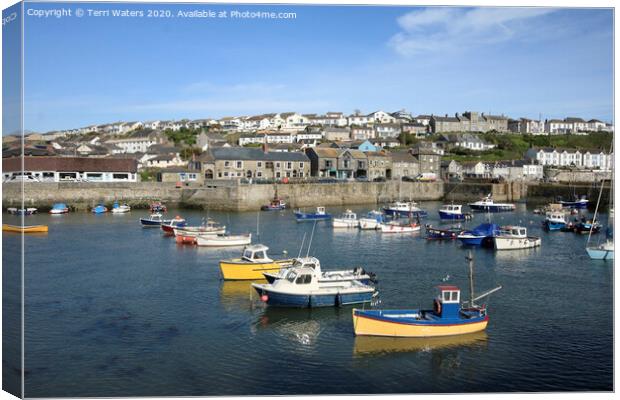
243 162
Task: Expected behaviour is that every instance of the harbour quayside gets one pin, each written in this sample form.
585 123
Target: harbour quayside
448 317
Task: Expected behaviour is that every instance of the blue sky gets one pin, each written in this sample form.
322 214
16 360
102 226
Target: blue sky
515 61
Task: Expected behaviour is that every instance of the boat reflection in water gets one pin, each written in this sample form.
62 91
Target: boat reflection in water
518 254
379 345
237 295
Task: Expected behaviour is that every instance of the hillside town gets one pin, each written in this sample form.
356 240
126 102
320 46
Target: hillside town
292 147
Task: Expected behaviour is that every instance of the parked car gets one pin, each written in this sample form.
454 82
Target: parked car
408 179
379 179
362 179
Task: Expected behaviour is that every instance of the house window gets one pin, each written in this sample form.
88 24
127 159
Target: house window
301 165
259 164
289 165
227 163
277 165
240 164
225 173
259 174
278 174
120 176
328 164
192 177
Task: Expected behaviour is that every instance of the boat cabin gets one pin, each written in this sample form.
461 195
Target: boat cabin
452 208
556 216
448 302
513 231
256 253
349 215
320 210
303 274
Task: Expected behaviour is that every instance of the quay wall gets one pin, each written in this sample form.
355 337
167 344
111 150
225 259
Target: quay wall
230 196
216 195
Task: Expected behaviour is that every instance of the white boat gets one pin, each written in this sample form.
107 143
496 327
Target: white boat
555 220
357 274
487 204
302 287
347 220
120 209
398 227
514 238
372 221
223 240
210 227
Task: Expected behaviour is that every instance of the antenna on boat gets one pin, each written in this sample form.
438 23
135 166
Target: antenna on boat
302 245
258 225
311 236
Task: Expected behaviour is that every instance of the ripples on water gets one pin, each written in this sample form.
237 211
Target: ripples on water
114 309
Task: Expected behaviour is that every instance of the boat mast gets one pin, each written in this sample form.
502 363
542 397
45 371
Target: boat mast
470 259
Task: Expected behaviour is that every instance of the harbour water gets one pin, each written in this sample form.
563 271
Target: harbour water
113 309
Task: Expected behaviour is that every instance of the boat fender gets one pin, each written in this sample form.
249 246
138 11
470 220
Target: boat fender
264 298
437 307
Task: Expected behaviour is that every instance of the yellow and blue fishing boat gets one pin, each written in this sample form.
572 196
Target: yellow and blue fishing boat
448 316
252 264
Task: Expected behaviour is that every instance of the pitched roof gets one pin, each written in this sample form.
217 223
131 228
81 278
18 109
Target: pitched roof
403 157
67 164
327 152
253 153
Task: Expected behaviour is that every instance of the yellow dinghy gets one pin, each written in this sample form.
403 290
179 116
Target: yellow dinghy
251 265
24 229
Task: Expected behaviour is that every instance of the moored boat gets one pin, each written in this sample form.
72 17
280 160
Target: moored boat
252 264
480 235
579 202
587 226
554 220
223 240
210 227
443 234
605 250
99 209
347 220
153 221
120 209
372 221
168 226
404 209
302 288
453 211
399 227
157 207
487 204
355 274
514 238
59 208
276 204
448 317
25 229
319 214
22 211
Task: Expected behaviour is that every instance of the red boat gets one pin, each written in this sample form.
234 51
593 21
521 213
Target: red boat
182 239
169 226
158 207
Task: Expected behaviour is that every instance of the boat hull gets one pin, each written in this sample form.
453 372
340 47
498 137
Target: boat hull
146 223
238 270
403 213
278 299
56 211
508 243
575 204
387 228
342 223
302 217
25 229
217 241
553 226
600 254
451 216
365 324
492 208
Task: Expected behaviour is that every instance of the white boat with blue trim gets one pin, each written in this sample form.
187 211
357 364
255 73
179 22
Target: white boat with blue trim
303 288
355 274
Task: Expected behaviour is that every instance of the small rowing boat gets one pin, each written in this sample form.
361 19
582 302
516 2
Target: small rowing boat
443 234
24 229
59 208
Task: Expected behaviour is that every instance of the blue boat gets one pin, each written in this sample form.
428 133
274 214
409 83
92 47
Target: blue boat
453 212
554 221
480 235
319 215
404 209
578 202
100 209
302 287
488 205
153 221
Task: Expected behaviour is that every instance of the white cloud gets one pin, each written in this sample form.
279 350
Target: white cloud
443 29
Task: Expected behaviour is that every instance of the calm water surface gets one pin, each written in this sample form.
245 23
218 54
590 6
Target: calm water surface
113 309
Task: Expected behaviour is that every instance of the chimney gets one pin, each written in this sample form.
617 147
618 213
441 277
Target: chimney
265 147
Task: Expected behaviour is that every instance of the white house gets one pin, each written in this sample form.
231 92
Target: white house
294 122
387 130
558 127
362 132
423 119
152 124
314 135
250 138
138 142
381 117
360 120
596 125
276 137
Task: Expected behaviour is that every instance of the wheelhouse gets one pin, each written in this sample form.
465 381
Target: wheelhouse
256 253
